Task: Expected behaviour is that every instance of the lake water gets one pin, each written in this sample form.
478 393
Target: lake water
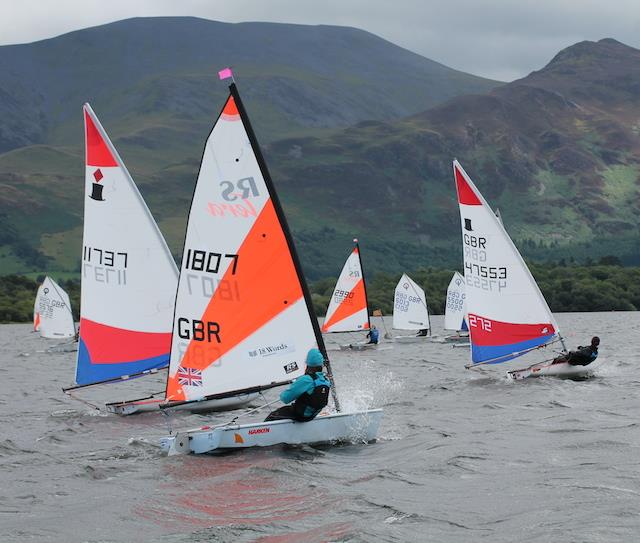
463 455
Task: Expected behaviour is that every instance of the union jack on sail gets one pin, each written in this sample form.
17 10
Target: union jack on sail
189 377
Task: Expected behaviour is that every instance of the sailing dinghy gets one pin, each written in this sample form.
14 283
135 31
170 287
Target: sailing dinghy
52 315
129 281
410 311
348 309
128 275
507 315
244 318
455 313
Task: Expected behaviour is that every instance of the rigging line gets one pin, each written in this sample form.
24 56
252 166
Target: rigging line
167 419
253 410
72 395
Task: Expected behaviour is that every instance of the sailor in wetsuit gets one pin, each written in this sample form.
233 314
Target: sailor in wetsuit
583 356
373 336
309 392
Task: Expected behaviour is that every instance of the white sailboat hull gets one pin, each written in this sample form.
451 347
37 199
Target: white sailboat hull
153 404
357 426
359 347
413 339
455 338
562 370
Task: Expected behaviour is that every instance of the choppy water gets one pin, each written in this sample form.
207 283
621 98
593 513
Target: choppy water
462 456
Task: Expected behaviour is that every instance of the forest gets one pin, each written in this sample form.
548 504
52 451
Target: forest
596 286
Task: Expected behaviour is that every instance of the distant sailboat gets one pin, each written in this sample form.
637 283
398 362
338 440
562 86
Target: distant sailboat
410 311
348 309
128 274
508 316
455 316
52 315
244 317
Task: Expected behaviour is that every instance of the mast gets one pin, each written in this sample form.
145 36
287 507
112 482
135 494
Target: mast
287 233
364 283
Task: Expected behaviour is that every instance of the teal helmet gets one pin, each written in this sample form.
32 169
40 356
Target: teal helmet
315 358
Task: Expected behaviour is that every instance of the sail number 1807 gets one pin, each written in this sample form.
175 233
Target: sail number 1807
206 261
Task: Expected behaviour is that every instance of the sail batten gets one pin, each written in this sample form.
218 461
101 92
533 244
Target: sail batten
243 315
410 310
507 314
128 275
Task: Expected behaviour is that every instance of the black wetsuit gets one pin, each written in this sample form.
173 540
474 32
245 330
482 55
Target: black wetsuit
583 356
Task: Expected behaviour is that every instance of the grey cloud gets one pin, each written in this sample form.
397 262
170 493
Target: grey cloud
493 38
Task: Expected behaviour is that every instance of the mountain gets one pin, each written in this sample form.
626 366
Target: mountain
153 82
558 152
139 71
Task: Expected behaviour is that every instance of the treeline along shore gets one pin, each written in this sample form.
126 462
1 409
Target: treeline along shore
599 286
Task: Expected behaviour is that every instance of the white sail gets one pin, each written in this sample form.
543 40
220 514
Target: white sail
508 316
410 306
456 309
242 320
348 309
53 308
129 277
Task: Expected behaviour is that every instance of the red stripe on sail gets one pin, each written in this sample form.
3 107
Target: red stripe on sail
108 344
466 195
268 284
98 153
349 306
488 332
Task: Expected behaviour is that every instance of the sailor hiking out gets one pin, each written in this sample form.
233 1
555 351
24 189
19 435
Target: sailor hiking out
309 392
583 356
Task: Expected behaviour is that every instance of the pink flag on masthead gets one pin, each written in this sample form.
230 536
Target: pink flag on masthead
225 74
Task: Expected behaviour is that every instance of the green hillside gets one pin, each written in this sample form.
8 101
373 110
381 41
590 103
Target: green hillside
557 151
153 82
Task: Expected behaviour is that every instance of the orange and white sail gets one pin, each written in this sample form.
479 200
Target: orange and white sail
348 309
243 320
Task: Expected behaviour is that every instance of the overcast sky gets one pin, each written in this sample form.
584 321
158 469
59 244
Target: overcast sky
501 39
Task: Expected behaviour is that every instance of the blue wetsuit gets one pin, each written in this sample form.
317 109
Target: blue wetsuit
309 394
373 336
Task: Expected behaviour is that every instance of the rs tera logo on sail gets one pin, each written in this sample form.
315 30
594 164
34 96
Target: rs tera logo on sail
243 189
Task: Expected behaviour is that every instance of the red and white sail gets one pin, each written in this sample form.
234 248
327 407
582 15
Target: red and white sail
410 306
241 321
455 313
348 309
53 317
508 316
129 276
